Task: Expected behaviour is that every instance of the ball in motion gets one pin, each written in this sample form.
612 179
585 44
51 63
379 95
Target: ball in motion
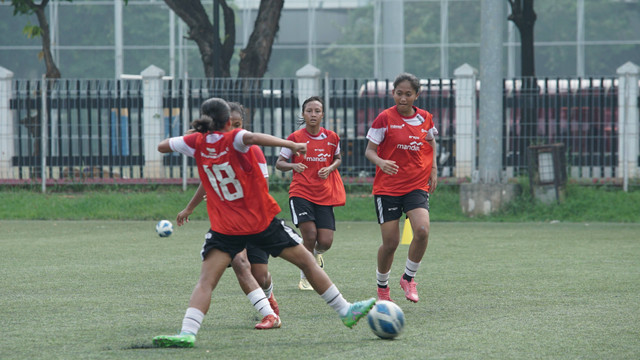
386 319
164 228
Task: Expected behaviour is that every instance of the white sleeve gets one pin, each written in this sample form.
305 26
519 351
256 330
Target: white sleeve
264 169
431 134
238 142
376 135
177 144
286 153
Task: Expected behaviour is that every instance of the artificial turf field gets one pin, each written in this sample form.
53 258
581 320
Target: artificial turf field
103 289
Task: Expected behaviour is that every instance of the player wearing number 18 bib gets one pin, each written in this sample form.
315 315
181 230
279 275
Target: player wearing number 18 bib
241 211
253 262
234 183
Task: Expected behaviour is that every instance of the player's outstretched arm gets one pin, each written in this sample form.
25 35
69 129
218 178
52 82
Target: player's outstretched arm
250 138
164 146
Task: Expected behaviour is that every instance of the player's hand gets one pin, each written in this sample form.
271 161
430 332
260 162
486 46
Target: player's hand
183 217
299 148
324 172
389 167
299 167
433 180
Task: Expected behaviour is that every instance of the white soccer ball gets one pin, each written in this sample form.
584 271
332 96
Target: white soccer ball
386 319
164 228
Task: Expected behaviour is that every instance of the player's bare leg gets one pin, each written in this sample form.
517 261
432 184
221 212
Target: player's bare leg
309 238
419 219
263 277
212 269
255 292
390 240
324 242
349 313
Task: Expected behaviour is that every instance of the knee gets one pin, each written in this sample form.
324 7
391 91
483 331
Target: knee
262 277
421 233
310 235
241 266
324 243
390 245
309 231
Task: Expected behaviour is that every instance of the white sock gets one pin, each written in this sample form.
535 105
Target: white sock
334 298
268 290
192 321
383 279
317 252
260 302
302 275
411 268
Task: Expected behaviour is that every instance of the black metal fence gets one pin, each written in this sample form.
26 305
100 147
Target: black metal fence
580 113
95 128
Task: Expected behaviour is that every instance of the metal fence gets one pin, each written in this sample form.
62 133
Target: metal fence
580 113
94 129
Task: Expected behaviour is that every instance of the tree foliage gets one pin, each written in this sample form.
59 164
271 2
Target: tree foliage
347 61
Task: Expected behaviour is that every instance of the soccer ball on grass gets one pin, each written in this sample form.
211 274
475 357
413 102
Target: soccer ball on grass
164 228
386 319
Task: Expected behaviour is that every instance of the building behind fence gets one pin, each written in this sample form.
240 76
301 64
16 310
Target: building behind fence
106 131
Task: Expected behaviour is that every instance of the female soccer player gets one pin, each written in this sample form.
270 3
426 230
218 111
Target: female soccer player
402 146
316 186
241 211
253 261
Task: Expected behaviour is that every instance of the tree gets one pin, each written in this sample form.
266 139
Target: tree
524 17
253 59
28 7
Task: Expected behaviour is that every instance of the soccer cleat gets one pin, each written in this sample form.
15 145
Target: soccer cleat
357 311
384 294
319 260
274 304
269 322
181 340
304 284
409 288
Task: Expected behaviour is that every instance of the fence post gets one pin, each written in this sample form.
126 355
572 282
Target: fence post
152 121
465 77
628 121
6 125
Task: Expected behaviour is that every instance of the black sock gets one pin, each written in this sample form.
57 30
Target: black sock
407 277
382 286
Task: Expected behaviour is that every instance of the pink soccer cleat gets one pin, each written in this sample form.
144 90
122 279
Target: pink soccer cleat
409 288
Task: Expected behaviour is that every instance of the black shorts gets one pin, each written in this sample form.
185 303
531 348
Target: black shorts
275 238
389 208
256 255
303 210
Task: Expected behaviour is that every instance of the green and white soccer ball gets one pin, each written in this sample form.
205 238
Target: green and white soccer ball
164 228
